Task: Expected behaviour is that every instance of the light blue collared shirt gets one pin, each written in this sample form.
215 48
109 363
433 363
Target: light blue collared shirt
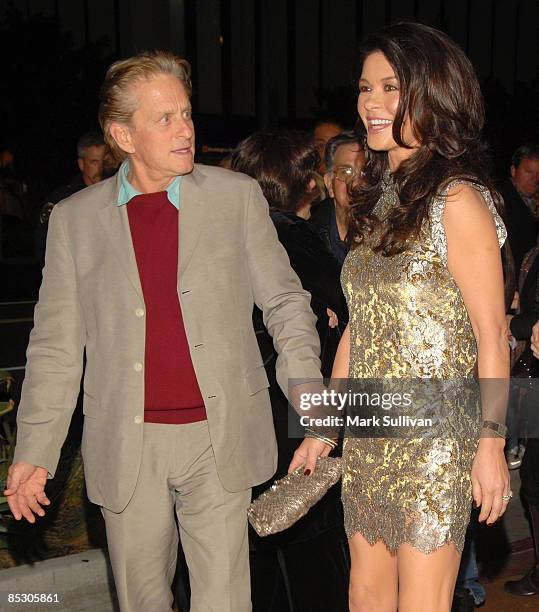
128 192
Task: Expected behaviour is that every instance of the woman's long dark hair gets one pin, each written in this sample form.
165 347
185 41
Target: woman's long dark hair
441 98
283 162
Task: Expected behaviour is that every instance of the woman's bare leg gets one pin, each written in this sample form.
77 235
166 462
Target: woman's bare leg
373 577
427 581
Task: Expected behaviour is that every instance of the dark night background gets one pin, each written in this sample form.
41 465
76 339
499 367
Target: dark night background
256 63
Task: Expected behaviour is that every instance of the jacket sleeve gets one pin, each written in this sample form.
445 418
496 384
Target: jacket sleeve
317 268
54 356
278 293
521 325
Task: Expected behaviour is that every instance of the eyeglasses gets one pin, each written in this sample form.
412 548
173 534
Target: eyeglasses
345 173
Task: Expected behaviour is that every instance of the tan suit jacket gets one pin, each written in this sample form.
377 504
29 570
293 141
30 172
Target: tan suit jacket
91 298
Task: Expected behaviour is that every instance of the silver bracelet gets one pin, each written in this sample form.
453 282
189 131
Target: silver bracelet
309 433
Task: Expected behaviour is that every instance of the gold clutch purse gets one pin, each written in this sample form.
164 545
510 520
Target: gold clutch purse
290 498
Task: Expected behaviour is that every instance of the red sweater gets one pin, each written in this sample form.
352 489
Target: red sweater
172 394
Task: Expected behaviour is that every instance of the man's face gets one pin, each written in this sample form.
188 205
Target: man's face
322 133
91 165
348 162
526 176
161 134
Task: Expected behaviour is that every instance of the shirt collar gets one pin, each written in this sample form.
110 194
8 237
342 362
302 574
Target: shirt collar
127 192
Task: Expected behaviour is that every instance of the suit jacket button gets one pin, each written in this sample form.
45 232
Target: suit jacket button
137 366
138 419
139 312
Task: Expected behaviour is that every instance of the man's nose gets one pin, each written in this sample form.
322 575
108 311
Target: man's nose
184 129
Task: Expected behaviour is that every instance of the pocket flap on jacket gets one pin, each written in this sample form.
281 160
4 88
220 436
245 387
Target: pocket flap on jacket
257 380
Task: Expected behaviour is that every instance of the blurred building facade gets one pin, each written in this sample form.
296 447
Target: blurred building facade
285 59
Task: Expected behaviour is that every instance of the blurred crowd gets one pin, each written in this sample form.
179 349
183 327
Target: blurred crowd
23 217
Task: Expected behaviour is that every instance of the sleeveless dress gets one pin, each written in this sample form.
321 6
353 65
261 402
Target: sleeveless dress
408 321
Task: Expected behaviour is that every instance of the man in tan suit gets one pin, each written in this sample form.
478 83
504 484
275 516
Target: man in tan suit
154 274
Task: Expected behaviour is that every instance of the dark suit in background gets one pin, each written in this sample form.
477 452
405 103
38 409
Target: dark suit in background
324 218
521 225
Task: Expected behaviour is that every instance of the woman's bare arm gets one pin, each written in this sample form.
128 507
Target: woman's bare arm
474 260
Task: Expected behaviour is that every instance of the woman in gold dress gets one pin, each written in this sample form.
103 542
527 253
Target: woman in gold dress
424 286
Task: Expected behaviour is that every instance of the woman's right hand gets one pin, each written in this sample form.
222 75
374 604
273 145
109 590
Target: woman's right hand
307 453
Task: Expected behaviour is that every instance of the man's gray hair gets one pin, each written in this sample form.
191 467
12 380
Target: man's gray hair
90 139
334 143
117 104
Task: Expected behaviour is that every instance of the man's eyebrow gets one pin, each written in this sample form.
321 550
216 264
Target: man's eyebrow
159 112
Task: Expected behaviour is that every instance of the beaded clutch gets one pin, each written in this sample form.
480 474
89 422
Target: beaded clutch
290 498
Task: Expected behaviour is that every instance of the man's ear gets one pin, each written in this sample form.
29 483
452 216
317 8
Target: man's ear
329 184
513 171
122 136
80 161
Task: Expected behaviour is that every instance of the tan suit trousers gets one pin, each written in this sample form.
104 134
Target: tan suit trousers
178 479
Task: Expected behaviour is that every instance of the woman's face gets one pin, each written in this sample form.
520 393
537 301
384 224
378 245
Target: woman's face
377 105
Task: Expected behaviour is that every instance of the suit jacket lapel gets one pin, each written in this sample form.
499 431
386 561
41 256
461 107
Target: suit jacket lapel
115 223
191 217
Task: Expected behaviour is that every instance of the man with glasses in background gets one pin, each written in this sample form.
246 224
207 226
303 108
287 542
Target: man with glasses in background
344 159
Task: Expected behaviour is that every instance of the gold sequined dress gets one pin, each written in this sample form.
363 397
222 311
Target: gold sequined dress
408 321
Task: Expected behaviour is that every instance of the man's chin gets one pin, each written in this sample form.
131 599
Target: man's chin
185 168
